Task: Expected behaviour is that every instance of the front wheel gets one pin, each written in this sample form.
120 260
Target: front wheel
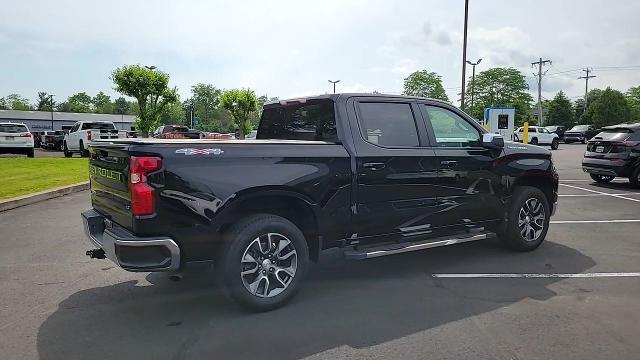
602 179
584 141
528 219
555 143
263 262
534 141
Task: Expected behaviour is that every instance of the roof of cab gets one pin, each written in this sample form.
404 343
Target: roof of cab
347 95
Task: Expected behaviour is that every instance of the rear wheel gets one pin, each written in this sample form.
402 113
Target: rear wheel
584 141
263 262
31 153
534 141
528 219
83 151
554 144
634 179
66 151
602 179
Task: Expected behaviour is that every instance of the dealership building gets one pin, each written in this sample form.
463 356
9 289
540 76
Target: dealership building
38 121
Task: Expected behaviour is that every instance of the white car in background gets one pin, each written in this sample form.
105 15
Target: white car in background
538 136
84 132
15 138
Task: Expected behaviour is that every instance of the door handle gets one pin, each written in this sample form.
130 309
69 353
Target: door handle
374 166
448 164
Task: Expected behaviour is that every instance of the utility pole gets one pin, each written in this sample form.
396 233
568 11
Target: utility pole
334 85
464 53
473 80
51 104
586 85
540 63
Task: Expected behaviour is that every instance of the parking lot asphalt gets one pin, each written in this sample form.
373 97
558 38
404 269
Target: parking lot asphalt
55 303
38 154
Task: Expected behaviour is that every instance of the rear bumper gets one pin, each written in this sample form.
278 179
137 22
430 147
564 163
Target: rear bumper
573 137
130 252
606 167
15 149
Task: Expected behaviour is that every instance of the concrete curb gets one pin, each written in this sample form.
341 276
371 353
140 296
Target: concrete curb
42 196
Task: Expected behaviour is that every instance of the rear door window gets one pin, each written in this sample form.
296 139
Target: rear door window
13 128
388 124
312 120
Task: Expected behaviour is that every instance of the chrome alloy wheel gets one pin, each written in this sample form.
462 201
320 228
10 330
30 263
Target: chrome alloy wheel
531 219
268 265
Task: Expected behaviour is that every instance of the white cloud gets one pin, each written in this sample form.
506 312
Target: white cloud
290 48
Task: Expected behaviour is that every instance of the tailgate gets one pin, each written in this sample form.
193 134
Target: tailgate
108 173
107 134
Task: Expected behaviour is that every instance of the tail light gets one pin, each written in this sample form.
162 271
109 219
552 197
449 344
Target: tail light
88 135
142 200
26 135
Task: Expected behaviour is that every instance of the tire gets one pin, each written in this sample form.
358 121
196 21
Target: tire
584 141
602 179
634 179
31 153
526 198
83 151
246 241
66 151
534 141
555 143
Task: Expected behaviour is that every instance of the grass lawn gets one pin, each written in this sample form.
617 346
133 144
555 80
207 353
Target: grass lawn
21 176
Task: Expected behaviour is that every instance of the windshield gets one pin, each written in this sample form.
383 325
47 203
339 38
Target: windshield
552 128
614 134
13 128
98 126
580 128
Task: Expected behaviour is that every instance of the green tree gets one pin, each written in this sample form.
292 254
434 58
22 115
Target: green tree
578 109
609 108
150 88
173 114
17 102
44 101
633 98
122 106
80 103
560 111
499 87
424 83
102 103
3 104
241 103
205 102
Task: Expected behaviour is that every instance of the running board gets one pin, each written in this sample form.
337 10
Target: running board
397 248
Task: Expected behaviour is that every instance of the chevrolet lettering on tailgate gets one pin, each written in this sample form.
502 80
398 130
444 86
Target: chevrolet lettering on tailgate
105 173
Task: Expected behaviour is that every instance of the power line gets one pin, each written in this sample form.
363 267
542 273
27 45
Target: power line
586 85
540 64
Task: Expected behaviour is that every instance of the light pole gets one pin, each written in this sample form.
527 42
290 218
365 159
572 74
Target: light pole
473 80
51 104
334 85
464 52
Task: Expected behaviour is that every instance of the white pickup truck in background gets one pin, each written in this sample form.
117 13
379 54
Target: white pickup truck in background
84 132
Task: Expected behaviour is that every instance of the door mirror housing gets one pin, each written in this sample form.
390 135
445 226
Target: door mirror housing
492 141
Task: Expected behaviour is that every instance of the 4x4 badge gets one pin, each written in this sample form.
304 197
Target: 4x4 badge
191 151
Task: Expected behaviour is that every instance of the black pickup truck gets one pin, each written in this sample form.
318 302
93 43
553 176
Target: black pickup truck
373 174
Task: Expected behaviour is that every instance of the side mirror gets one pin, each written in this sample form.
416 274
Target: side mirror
492 141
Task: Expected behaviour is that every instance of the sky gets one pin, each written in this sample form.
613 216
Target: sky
292 48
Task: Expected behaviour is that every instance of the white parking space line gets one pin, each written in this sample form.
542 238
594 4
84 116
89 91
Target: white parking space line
516 275
590 181
604 194
594 221
601 193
